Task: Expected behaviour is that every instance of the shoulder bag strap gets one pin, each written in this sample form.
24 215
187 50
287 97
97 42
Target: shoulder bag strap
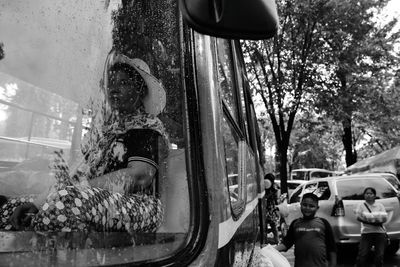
371 212
365 204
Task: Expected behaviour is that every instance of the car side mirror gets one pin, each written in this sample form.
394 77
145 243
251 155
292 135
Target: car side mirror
232 19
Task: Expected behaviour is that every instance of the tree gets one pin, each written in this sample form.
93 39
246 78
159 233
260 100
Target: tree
356 64
380 120
314 142
281 69
332 56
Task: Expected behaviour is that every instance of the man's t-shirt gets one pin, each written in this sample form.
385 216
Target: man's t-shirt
313 239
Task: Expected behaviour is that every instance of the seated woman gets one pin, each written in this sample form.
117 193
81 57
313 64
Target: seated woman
106 190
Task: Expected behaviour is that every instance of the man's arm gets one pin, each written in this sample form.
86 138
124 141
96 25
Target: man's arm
330 244
288 240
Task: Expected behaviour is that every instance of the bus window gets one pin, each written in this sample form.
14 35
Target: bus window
241 81
92 132
231 145
235 148
226 77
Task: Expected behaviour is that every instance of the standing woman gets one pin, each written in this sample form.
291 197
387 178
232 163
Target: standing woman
271 197
372 215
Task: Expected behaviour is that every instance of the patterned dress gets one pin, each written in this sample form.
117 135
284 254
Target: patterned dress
73 207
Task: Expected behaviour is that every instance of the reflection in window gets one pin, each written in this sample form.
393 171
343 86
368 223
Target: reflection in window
226 76
251 186
231 158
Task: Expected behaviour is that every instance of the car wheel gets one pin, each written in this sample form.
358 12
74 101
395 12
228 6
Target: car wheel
283 227
392 248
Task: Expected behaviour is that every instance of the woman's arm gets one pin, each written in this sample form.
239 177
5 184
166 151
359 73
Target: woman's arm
366 222
137 176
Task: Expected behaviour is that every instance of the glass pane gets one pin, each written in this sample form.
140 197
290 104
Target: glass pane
250 177
320 174
241 85
231 145
226 76
310 188
392 180
353 189
323 192
299 175
91 129
296 196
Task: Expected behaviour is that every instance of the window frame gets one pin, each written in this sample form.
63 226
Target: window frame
243 125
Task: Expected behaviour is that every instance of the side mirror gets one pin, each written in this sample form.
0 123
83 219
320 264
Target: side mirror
232 19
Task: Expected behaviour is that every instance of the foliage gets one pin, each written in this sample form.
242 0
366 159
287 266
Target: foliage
281 69
355 68
314 142
334 58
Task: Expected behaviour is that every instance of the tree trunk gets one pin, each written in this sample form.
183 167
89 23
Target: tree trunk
282 152
347 139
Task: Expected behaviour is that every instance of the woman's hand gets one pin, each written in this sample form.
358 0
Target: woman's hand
137 177
22 215
141 175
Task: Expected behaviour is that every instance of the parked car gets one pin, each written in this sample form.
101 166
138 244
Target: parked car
339 197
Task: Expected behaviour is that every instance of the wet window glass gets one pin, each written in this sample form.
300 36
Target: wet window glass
353 189
92 155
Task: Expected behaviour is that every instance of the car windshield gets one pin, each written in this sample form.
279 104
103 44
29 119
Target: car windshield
91 116
292 185
352 189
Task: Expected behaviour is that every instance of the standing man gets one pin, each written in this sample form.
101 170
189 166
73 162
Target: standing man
312 237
